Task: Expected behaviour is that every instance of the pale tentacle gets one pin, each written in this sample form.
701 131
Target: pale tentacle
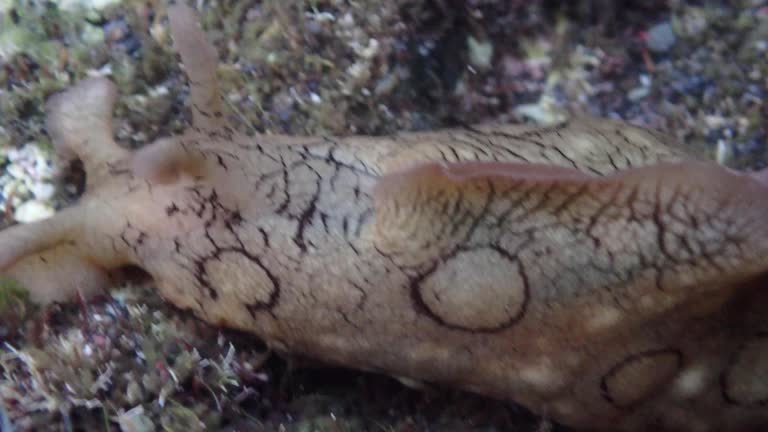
163 161
79 121
199 58
58 274
44 257
21 240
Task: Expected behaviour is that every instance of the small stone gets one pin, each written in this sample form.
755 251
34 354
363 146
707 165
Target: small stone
179 417
43 191
724 152
33 211
88 5
359 71
386 84
542 113
133 393
283 105
692 23
661 37
369 51
16 171
480 53
92 34
715 121
638 93
134 420
347 20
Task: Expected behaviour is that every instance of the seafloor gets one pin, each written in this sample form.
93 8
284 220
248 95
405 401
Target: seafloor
128 362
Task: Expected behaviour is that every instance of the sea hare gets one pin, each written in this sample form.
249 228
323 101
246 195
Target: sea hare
592 271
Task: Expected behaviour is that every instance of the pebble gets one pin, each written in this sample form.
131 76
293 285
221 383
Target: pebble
134 393
661 37
715 121
638 93
723 152
359 71
480 53
15 171
33 211
26 185
75 5
386 84
42 191
542 113
135 420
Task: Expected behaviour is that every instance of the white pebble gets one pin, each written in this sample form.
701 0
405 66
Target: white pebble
134 420
43 191
16 171
723 152
638 93
33 211
369 51
359 71
347 20
480 53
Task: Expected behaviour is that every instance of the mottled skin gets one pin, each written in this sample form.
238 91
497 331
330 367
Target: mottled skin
590 271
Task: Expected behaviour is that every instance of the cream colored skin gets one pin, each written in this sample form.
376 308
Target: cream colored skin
589 271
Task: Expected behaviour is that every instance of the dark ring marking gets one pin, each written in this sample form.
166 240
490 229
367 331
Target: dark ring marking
518 293
203 278
727 389
655 382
